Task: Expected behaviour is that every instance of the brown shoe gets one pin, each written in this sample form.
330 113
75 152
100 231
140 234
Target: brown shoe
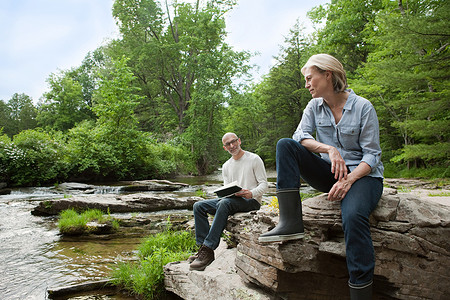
204 259
192 258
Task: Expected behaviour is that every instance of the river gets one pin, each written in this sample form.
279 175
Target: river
35 258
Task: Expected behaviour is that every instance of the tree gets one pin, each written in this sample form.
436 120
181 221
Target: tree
281 95
348 24
6 124
181 60
22 114
63 106
408 74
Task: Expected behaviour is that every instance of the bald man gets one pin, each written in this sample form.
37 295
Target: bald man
248 170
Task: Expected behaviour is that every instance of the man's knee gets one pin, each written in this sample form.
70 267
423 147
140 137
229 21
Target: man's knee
197 208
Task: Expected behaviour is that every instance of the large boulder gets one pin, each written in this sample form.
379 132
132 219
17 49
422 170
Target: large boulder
411 239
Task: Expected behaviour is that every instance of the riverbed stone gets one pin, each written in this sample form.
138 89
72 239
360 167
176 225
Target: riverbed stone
115 203
411 240
219 280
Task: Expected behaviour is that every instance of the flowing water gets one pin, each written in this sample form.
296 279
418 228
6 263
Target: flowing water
35 258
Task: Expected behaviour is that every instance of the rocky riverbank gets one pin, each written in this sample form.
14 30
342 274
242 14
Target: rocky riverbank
411 239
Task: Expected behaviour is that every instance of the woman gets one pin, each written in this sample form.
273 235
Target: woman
349 168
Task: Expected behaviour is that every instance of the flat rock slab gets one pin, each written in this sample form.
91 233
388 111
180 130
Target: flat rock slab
218 281
138 202
122 186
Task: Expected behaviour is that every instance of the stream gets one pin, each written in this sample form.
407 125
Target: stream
34 257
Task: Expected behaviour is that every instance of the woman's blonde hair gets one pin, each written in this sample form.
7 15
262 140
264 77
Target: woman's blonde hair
326 62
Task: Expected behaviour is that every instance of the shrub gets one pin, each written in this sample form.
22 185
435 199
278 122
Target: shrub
146 278
34 158
5 145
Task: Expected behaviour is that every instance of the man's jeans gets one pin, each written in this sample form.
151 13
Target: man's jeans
221 208
295 161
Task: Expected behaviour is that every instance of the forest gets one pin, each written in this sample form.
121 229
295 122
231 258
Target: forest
155 102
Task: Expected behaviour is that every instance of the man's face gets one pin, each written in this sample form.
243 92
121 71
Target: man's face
232 144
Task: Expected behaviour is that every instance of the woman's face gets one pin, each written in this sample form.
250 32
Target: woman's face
317 82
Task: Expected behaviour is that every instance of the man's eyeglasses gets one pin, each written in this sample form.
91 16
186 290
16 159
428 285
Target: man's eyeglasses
230 143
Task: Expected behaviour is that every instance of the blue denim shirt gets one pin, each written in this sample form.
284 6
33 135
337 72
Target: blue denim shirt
356 136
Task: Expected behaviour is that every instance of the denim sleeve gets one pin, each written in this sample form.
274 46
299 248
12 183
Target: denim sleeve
370 138
307 125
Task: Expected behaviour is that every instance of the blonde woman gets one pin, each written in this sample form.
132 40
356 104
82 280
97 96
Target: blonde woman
342 128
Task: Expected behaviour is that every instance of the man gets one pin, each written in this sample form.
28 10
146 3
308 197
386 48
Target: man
248 170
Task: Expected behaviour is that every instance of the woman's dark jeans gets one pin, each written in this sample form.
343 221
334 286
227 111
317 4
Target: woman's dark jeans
294 162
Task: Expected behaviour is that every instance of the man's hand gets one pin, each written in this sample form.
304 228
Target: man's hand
244 193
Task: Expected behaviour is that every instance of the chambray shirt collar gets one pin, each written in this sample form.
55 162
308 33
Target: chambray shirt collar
348 104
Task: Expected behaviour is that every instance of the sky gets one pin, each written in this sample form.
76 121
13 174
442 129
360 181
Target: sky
41 37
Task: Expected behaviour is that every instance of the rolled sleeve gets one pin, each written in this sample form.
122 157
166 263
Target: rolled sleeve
369 139
306 127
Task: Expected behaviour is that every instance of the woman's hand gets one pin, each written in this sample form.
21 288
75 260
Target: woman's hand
338 166
339 190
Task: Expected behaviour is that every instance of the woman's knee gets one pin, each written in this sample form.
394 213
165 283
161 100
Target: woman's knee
284 143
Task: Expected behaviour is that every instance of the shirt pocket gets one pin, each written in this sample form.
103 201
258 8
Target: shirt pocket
324 130
349 137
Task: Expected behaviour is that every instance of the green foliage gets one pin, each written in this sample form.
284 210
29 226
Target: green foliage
34 158
5 146
94 154
63 106
348 25
173 241
73 223
407 74
146 278
183 67
18 114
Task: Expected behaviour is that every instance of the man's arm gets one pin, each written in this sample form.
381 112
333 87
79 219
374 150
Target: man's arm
259 172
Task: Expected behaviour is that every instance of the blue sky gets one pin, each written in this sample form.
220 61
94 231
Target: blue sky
40 37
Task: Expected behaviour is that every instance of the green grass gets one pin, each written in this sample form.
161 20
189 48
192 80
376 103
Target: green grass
72 223
440 194
145 278
400 171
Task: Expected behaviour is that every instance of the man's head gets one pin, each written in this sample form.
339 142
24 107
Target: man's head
232 143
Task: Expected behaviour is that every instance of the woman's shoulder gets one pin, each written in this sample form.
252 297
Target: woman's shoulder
360 101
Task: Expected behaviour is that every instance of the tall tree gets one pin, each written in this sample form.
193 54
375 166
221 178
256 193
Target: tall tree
408 74
22 114
63 106
181 60
281 95
348 24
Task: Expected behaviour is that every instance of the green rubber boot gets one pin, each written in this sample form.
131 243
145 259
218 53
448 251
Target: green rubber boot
290 225
360 292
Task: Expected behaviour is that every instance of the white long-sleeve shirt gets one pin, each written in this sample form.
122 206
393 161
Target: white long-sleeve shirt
249 172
